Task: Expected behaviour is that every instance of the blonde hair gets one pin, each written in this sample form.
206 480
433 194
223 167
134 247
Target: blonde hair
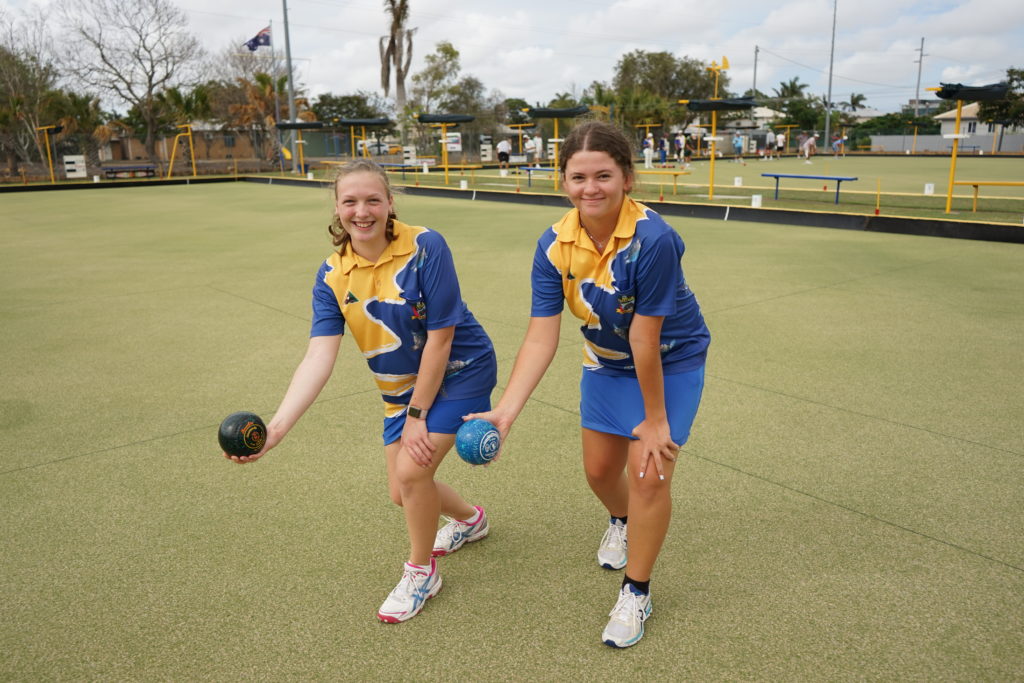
339 236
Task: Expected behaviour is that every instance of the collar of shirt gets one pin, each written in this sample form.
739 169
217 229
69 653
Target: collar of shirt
569 229
404 243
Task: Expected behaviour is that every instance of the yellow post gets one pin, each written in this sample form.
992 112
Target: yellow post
174 149
994 138
878 197
302 157
714 125
49 158
556 155
952 162
191 148
714 133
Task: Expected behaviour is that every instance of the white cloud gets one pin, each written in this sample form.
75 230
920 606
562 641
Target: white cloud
534 49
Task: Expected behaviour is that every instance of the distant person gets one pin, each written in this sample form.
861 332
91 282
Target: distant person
679 145
530 147
538 144
737 147
769 145
648 145
663 150
780 144
837 146
687 151
504 150
809 147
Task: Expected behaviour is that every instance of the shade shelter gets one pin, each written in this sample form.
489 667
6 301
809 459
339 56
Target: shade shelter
958 92
557 113
363 124
714 106
443 121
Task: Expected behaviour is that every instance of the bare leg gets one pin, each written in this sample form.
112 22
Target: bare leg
421 497
650 511
604 461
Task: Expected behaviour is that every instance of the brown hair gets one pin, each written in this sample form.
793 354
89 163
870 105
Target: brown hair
598 136
338 234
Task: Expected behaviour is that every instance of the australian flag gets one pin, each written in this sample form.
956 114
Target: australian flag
261 38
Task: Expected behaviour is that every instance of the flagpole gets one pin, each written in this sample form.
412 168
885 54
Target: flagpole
291 86
277 95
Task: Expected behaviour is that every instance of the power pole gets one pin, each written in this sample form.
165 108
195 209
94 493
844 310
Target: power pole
831 57
756 49
917 90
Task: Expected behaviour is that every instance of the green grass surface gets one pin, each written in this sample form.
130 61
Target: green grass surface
847 508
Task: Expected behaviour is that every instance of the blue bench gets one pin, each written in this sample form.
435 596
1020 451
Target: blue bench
147 171
838 179
530 170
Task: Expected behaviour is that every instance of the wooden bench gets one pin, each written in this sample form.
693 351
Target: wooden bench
144 171
838 180
977 183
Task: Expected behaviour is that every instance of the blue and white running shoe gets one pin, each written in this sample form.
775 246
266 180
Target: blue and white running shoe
626 626
457 533
411 593
613 551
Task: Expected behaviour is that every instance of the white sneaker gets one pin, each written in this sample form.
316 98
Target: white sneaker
457 533
626 626
613 551
409 596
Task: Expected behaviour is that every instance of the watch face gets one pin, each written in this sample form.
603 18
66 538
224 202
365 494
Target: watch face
415 412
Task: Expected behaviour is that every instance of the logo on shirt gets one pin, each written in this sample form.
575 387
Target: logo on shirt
419 311
350 298
626 304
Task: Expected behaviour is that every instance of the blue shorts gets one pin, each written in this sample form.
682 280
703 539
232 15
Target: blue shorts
444 417
613 404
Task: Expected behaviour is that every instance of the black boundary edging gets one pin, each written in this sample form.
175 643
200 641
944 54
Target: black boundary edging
111 184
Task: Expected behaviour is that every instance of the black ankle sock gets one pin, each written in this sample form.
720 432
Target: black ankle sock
642 586
619 519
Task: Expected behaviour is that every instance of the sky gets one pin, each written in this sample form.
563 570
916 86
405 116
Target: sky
536 49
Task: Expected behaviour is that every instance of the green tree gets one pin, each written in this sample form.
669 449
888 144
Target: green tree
1009 112
28 76
86 127
791 89
150 50
359 105
434 83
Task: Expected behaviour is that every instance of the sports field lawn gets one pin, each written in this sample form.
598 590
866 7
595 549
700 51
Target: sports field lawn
848 508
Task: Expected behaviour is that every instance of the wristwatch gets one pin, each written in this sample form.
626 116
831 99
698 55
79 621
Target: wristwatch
418 413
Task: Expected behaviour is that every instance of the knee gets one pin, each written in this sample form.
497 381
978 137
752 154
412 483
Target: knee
602 472
395 493
650 489
408 476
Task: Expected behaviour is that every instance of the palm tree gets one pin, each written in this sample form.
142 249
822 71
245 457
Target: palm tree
396 51
855 102
84 122
188 107
790 89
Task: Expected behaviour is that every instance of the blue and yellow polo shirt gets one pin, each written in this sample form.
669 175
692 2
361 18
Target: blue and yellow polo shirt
640 271
389 305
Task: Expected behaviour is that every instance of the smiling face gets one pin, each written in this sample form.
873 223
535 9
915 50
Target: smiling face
596 186
363 206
